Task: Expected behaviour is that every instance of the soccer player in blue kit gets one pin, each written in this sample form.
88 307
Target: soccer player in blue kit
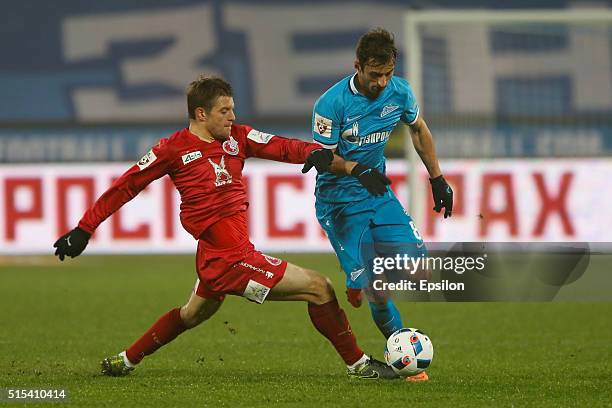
354 204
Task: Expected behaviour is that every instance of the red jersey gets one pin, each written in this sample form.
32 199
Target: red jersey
208 175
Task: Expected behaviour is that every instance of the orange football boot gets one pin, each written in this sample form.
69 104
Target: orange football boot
422 376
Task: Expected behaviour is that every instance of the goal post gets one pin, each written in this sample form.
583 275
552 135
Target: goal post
488 59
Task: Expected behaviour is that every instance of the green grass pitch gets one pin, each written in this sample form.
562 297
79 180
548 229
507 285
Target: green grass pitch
60 319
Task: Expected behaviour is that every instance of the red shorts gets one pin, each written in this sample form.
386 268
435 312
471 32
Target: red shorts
241 271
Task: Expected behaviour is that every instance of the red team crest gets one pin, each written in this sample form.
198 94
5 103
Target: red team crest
230 146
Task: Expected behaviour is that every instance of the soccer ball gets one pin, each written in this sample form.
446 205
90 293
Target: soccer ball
408 352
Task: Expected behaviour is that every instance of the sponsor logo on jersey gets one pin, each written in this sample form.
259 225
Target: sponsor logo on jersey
322 125
146 160
259 137
369 139
388 109
272 260
267 274
230 146
189 157
223 176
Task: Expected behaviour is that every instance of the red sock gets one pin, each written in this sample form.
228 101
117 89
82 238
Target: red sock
162 332
330 320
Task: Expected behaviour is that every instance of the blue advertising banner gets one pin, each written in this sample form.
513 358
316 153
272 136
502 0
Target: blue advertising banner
116 61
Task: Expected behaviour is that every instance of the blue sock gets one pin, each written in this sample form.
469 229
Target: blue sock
386 317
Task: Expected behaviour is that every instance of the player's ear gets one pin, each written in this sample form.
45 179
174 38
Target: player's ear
200 114
357 66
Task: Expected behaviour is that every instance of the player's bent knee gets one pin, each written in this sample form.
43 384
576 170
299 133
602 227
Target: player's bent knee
322 289
303 284
329 287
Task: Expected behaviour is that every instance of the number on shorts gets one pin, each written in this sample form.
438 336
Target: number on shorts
415 231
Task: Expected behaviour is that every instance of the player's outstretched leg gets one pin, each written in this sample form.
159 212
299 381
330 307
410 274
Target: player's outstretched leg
384 312
386 316
329 319
163 331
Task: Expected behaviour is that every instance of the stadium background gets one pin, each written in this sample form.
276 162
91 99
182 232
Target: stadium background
526 144
88 87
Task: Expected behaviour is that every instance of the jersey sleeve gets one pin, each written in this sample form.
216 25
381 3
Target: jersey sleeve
326 122
152 166
411 108
278 148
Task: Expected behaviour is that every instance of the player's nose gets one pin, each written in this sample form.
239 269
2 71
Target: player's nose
382 82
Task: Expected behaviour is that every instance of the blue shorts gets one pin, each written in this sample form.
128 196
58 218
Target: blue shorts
362 230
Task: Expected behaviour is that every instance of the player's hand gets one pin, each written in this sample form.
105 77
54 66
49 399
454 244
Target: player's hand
72 243
442 195
320 159
373 180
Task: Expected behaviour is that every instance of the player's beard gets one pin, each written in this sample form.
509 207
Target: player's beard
222 137
373 93
223 134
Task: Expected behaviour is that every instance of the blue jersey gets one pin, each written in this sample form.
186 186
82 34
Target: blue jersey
358 128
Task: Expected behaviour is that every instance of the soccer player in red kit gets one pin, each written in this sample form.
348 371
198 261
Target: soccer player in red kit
205 163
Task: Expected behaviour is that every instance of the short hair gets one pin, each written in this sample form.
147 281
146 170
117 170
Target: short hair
204 91
376 47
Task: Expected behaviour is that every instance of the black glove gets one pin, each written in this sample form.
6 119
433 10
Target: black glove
72 243
373 180
320 159
442 195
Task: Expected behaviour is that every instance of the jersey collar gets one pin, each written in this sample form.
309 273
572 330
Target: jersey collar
352 86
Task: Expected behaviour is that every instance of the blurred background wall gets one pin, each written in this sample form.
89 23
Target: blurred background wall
521 114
